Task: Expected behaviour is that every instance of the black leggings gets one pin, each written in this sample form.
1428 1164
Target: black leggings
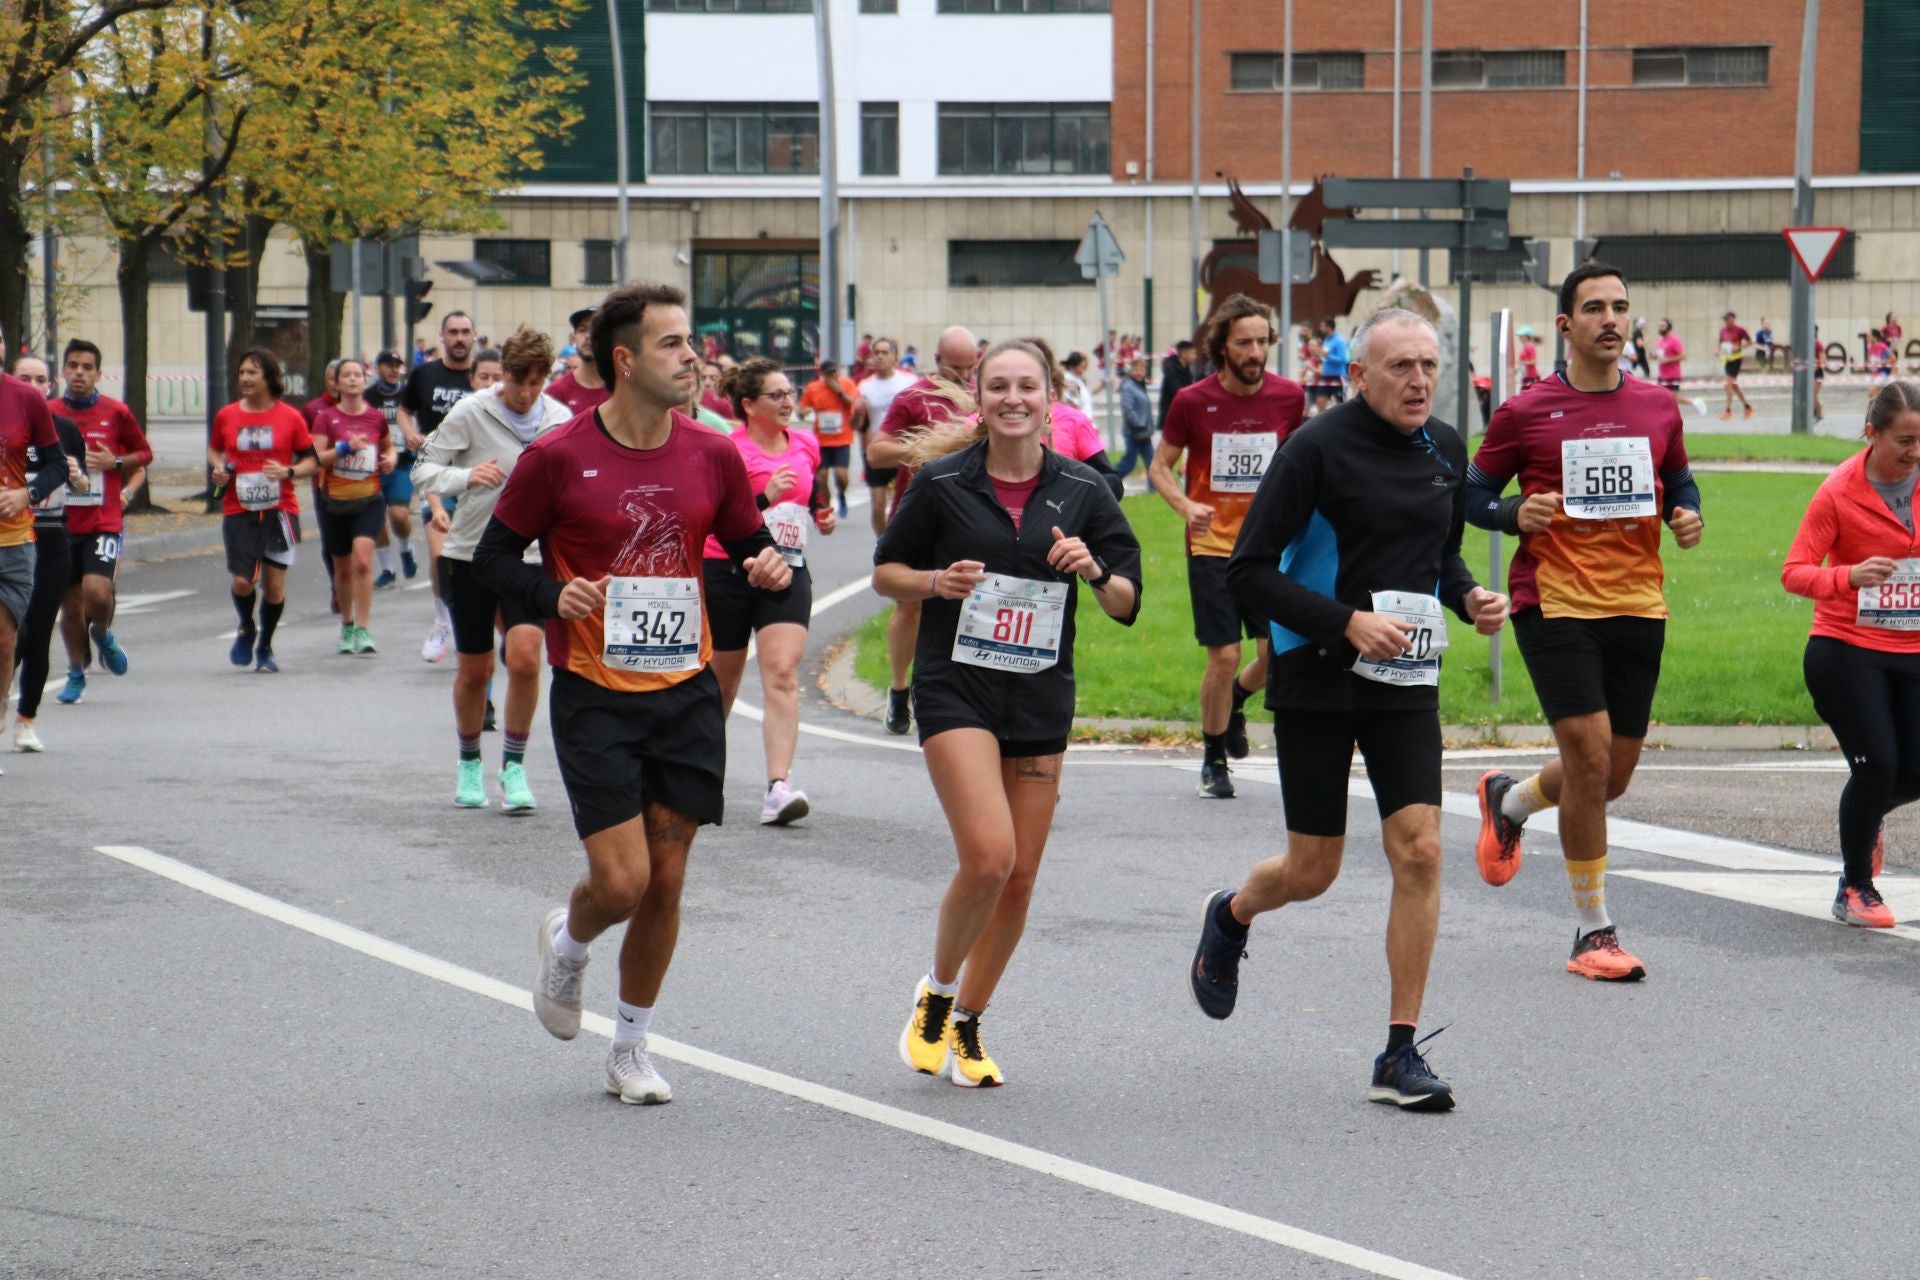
50 571
1871 701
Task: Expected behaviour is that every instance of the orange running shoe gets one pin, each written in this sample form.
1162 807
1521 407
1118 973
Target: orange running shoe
1748 413
1497 851
1879 853
1862 905
1727 416
1600 956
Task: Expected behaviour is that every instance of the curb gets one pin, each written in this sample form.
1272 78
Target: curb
181 542
850 693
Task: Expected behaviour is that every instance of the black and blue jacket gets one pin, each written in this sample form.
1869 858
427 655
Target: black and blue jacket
1350 505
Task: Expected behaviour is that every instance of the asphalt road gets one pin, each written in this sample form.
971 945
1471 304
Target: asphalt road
280 1029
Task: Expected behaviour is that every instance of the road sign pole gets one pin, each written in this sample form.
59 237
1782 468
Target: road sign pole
1498 376
1464 375
1286 198
1800 316
1106 347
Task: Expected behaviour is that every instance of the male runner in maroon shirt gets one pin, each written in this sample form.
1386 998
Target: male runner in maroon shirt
582 389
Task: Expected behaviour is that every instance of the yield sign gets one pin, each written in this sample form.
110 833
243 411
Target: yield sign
1814 247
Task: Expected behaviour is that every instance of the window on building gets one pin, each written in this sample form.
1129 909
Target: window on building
1704 65
1757 255
1258 71
598 267
733 137
879 6
982 264
880 139
530 262
1499 68
1023 138
730 6
164 266
1024 6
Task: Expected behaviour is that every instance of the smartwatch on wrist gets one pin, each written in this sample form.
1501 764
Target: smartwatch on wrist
1106 575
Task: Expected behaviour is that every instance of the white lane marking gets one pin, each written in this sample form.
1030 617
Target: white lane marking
953 1135
1784 766
1800 895
145 602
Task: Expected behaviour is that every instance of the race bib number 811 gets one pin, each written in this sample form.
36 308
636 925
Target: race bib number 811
652 624
1011 624
1607 479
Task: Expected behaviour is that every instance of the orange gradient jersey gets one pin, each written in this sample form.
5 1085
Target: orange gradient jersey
25 422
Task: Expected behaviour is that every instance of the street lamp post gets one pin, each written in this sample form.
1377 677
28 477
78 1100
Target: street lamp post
619 139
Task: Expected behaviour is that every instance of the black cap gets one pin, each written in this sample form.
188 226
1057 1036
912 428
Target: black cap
584 313
829 366
390 357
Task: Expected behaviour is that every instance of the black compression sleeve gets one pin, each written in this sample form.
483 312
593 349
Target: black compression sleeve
497 563
1104 465
741 550
50 472
1680 490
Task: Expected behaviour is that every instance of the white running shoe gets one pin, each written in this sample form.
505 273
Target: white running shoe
1699 406
435 647
24 738
556 995
783 804
630 1075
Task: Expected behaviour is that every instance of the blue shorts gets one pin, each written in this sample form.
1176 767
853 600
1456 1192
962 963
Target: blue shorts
452 504
397 485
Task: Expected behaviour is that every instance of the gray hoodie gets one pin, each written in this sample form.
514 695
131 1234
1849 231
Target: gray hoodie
476 430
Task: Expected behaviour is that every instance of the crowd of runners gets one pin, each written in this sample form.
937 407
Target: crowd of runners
646 518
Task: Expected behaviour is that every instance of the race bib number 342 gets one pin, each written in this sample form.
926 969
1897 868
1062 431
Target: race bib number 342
1894 605
1607 479
652 624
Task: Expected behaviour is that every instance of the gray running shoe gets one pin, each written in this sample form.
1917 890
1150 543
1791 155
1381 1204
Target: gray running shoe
556 996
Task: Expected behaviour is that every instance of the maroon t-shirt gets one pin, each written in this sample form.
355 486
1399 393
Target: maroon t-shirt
1014 495
920 405
106 424
567 390
599 508
25 422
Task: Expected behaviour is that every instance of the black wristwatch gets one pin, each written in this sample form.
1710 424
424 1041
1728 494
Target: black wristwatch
1106 575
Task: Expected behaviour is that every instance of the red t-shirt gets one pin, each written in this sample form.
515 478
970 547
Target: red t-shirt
1207 409
600 508
1014 495
252 439
106 424
567 390
357 475
1576 568
1734 342
25 421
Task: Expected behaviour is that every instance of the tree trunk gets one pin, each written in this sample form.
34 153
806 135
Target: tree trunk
134 276
244 292
326 310
15 238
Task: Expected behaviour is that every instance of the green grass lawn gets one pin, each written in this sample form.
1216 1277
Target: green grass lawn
1703 446
1733 643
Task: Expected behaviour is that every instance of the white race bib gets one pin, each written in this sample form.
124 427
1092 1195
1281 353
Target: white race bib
358 465
827 424
1422 665
256 491
652 624
1011 624
1240 458
53 501
788 523
96 494
1607 479
1894 605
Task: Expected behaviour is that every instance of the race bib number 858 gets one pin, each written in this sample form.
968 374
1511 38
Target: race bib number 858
1894 605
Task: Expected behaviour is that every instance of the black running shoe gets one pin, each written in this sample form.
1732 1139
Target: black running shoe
491 724
1402 1077
1214 975
1237 745
899 711
1216 780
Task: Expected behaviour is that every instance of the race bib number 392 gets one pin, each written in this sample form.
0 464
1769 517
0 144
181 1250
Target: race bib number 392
1607 479
1240 458
652 624
1894 605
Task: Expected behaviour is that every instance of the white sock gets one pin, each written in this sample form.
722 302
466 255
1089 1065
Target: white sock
630 1023
440 614
404 544
385 556
566 946
940 988
1524 799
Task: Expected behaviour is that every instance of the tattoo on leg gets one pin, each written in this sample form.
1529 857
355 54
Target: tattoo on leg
1037 768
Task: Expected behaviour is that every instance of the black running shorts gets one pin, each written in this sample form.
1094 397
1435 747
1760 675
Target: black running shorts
253 537
1401 748
881 477
1583 665
1218 618
342 523
97 554
938 707
735 611
835 455
476 610
620 752
1733 367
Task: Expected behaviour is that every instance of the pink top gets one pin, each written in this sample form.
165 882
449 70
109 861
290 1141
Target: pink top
1670 349
802 454
1074 435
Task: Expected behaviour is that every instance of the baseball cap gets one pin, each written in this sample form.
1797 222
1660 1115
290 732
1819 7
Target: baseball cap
584 313
390 357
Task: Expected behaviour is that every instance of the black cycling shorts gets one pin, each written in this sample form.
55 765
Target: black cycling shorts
342 523
1218 618
1583 665
619 752
1401 748
881 477
476 611
735 611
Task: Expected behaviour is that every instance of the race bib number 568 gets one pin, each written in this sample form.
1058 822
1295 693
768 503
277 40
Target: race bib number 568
1607 479
652 624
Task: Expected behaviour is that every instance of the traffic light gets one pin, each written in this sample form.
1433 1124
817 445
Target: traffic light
418 308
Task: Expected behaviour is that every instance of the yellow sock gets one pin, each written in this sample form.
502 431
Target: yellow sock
1589 881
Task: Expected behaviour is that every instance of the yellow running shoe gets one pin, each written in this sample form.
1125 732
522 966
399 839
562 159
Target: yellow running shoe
971 1067
923 1044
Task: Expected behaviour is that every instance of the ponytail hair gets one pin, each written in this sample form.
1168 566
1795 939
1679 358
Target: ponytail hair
743 382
